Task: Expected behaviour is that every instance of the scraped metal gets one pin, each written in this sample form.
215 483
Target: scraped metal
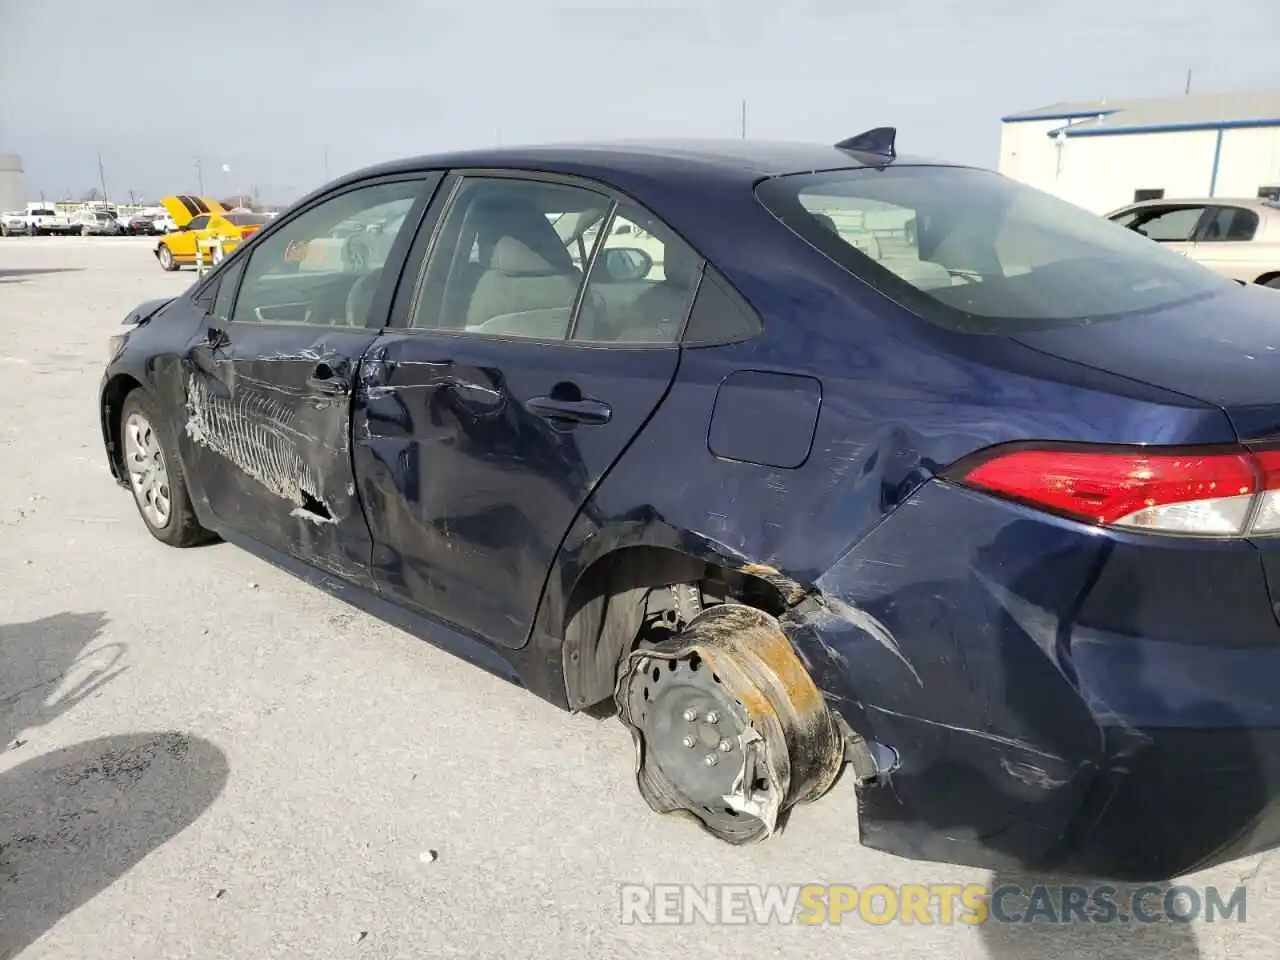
789 749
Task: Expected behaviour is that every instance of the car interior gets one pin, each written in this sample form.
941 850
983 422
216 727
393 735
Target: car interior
505 270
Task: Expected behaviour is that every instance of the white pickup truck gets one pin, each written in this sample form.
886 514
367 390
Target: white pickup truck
45 220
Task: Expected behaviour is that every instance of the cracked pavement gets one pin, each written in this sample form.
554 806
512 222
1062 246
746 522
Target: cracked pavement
203 757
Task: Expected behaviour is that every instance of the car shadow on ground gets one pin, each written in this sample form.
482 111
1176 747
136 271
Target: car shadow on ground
74 820
12 275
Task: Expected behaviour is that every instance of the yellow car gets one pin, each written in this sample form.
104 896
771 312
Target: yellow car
202 219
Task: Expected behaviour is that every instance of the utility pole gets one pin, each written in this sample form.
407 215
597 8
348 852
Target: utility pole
326 164
102 178
133 199
744 119
1187 91
199 176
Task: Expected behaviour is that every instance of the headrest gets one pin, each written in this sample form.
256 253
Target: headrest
519 238
515 257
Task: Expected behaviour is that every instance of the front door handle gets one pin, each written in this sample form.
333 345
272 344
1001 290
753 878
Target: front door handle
324 379
585 410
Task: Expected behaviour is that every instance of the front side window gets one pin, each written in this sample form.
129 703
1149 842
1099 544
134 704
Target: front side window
974 250
314 270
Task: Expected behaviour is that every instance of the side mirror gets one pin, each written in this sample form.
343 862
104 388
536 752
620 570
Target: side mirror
626 264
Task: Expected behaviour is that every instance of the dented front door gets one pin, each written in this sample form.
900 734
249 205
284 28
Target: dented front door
271 378
268 429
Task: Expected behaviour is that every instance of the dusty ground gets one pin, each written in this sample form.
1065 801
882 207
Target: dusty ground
202 757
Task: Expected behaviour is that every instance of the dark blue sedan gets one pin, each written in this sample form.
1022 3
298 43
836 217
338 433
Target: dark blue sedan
796 457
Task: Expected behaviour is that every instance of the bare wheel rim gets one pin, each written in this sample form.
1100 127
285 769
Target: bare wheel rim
148 475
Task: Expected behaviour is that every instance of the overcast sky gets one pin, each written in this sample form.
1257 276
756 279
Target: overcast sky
265 87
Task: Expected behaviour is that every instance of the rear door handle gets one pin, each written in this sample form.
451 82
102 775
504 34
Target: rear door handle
586 410
324 379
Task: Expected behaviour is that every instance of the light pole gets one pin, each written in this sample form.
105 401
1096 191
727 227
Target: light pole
199 176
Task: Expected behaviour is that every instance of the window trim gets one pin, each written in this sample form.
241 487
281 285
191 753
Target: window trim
403 309
237 278
396 256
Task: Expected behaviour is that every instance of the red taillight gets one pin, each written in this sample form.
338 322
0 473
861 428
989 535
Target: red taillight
1199 492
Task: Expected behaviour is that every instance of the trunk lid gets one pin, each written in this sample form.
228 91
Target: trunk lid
1222 349
183 207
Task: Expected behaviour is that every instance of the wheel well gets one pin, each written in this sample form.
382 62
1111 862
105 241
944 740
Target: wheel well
607 608
113 397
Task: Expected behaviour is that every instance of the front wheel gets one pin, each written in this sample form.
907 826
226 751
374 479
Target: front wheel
155 475
166 258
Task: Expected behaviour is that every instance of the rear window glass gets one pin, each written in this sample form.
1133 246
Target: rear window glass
976 251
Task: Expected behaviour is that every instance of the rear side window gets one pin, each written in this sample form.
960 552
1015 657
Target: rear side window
1231 224
720 314
972 250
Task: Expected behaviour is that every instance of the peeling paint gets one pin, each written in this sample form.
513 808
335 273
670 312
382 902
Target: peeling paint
1031 775
304 514
982 734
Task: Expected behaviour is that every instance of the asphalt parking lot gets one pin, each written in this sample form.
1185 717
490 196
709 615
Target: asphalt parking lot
203 757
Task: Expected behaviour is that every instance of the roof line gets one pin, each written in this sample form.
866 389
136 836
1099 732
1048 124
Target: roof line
1065 115
1190 126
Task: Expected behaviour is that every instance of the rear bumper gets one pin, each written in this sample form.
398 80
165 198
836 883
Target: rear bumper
1058 698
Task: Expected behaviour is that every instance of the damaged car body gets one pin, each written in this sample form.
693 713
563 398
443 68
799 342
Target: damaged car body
797 458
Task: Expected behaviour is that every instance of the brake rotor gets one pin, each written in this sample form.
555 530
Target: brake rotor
729 728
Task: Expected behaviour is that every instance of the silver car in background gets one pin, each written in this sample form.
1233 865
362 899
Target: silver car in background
1237 238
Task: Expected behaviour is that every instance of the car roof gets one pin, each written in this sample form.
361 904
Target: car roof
745 160
1253 203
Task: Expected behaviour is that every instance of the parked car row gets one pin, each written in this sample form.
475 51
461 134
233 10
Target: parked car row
44 220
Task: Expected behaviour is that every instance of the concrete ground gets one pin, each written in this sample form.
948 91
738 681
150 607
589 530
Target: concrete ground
202 757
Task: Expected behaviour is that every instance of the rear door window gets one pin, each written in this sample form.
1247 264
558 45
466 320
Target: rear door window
1227 224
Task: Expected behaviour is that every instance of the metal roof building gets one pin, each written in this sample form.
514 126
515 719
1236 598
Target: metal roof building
1102 154
13 191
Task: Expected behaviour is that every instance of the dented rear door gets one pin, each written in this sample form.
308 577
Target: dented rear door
270 378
